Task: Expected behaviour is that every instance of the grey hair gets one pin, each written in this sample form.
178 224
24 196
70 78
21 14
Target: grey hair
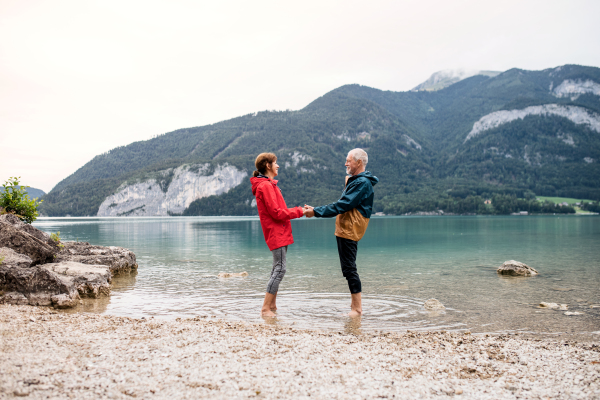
359 154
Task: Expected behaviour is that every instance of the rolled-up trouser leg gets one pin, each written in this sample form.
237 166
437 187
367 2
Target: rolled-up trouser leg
347 251
278 269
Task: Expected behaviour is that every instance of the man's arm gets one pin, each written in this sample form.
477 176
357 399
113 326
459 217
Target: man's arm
351 198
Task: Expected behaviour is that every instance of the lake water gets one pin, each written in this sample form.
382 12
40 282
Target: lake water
402 262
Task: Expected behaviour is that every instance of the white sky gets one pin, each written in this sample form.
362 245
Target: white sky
78 78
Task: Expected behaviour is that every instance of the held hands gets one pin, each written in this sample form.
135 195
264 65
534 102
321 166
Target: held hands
308 211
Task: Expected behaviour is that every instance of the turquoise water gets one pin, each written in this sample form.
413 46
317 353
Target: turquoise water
402 261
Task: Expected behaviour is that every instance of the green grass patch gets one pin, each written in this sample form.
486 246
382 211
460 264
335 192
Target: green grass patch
578 210
560 200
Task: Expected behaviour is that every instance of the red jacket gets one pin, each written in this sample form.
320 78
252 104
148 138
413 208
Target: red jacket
273 212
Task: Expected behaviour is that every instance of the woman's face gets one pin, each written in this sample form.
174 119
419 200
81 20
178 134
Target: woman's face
273 167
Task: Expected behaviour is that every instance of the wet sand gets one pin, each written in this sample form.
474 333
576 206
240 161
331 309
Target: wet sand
49 354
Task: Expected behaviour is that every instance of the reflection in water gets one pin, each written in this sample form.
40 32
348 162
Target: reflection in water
402 262
124 282
271 321
352 326
515 280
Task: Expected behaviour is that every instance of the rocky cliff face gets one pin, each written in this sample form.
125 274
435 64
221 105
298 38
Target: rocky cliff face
577 115
442 79
575 88
189 183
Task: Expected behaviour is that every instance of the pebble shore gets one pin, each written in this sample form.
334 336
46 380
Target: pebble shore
45 354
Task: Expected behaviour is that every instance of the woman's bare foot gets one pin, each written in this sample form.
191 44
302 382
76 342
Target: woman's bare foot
269 305
267 314
354 314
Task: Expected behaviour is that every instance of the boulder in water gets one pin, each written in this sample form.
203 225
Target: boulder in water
232 274
554 306
516 268
433 304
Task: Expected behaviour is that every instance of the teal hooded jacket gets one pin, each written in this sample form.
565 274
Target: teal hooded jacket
358 194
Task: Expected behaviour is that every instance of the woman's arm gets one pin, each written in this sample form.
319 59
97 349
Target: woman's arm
269 197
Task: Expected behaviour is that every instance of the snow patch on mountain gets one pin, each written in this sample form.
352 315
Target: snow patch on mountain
577 115
189 183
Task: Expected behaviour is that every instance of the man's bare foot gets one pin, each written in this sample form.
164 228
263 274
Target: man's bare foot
267 314
273 308
356 305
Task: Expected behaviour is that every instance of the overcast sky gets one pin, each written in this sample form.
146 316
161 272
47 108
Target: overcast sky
80 77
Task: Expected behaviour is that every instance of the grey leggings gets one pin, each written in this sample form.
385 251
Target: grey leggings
278 269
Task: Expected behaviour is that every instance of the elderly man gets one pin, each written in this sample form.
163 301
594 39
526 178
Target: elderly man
352 212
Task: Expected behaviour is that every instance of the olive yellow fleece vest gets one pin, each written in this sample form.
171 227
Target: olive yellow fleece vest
351 225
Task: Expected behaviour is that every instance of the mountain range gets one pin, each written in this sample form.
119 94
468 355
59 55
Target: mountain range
33 193
500 136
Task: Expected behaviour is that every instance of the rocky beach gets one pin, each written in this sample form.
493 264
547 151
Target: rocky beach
46 353
41 270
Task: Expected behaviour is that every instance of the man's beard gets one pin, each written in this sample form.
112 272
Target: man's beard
347 170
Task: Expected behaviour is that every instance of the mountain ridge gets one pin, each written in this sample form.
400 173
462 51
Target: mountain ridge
417 143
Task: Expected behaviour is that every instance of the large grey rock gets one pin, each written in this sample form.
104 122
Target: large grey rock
37 284
28 228
64 301
119 260
24 243
89 280
11 257
13 298
516 268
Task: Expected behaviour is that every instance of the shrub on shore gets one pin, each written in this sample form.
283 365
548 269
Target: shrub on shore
15 200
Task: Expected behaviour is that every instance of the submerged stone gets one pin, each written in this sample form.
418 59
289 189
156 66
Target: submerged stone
232 274
434 304
516 268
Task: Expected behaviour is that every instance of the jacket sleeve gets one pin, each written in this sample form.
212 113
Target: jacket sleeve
350 199
269 197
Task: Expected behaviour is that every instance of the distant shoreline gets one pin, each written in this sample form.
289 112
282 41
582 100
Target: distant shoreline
255 217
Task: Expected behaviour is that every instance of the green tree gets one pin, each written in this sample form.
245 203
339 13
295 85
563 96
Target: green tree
15 200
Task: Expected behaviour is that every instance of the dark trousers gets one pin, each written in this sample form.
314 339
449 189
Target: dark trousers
347 251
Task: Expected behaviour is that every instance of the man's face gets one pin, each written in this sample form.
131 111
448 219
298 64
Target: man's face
352 165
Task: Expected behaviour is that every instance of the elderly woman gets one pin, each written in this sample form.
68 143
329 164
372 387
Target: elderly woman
275 221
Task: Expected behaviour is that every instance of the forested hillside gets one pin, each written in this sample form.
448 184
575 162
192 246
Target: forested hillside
33 193
514 135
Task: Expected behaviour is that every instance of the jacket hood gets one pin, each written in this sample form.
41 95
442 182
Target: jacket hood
374 180
256 181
